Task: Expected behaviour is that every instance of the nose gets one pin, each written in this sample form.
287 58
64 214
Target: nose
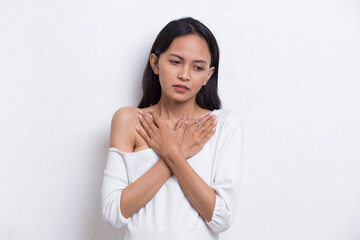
184 73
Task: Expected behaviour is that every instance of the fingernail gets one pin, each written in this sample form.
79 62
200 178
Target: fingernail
140 117
215 121
214 129
186 122
151 110
136 127
214 116
141 112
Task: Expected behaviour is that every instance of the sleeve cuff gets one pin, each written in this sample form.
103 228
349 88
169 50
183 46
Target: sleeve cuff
122 218
112 213
220 220
215 211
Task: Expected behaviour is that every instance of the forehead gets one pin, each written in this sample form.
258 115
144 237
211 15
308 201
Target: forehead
190 46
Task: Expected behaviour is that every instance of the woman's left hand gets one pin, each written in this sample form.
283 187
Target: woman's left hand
158 136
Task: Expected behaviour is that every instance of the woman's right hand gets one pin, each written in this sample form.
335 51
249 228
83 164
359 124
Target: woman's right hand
197 134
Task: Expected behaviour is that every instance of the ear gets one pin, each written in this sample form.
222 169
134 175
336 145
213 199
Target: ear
211 71
153 59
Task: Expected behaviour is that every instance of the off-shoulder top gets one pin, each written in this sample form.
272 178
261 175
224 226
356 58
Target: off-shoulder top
169 214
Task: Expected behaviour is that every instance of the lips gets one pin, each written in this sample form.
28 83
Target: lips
181 86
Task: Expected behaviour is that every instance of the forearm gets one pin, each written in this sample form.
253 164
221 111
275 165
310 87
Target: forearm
140 192
198 192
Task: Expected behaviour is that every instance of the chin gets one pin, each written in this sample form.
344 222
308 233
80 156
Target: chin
178 98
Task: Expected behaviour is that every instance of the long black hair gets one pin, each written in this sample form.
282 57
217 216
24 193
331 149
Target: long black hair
207 97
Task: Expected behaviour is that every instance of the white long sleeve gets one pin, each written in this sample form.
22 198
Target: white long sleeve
227 177
121 170
114 182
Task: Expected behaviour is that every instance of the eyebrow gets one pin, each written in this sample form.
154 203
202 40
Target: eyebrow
175 55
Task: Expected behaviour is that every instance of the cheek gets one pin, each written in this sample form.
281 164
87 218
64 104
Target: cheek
200 79
166 75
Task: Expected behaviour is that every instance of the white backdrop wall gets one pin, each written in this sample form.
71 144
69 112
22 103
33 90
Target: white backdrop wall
291 68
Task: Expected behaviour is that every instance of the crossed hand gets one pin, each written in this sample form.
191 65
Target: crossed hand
186 138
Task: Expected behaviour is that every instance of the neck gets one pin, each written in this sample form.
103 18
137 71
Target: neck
174 111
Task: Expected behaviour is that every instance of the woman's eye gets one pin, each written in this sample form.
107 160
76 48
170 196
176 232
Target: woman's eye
199 68
175 62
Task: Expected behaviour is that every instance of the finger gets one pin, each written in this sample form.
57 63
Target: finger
211 129
205 118
145 125
183 125
207 127
143 134
179 122
202 120
149 121
159 122
208 136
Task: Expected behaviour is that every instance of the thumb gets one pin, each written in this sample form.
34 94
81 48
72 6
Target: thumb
178 124
183 125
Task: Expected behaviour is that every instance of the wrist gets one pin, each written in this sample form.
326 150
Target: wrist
172 154
162 161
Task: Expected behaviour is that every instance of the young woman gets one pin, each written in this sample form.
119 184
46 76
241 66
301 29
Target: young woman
174 164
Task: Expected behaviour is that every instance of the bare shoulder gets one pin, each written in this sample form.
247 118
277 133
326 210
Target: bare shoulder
125 114
123 128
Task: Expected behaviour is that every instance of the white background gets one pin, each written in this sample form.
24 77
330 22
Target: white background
291 68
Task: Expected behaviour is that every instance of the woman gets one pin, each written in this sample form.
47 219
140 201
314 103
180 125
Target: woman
174 163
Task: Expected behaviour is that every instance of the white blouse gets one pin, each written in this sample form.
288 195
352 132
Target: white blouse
169 214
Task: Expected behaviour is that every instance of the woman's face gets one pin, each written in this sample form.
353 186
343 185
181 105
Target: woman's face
183 68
